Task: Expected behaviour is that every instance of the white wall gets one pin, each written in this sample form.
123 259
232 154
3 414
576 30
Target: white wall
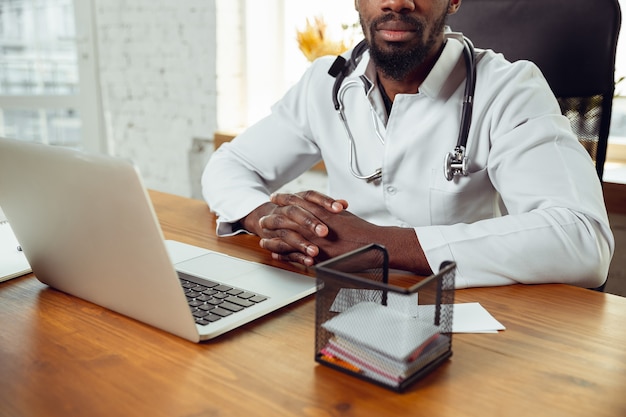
166 87
158 83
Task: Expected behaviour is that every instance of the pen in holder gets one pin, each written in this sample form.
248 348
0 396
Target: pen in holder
371 324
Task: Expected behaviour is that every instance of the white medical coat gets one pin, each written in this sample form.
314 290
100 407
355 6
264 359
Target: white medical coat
531 209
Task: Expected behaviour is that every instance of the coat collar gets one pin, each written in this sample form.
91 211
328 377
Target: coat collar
436 79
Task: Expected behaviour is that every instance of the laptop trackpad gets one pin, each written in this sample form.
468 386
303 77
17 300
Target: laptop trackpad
251 276
216 266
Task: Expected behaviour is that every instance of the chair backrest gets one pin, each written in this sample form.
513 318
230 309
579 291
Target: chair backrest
573 42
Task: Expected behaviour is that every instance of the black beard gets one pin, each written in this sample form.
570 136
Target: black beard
398 63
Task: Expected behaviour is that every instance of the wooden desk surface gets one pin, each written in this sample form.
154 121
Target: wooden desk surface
563 354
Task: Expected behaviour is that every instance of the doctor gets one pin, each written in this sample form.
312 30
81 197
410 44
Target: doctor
529 209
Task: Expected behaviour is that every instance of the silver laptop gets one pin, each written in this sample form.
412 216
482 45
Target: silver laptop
87 227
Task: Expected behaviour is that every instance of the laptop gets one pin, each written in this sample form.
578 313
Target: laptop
87 227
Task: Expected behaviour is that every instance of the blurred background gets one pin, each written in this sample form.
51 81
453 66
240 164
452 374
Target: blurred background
154 80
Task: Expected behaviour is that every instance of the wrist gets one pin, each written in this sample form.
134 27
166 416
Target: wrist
251 221
405 251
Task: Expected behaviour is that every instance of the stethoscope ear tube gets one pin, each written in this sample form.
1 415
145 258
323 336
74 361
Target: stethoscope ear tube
341 67
337 71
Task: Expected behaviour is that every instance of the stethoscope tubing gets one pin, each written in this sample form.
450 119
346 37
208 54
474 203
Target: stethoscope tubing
455 162
354 169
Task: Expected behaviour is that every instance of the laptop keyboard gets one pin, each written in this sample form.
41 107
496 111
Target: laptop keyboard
210 301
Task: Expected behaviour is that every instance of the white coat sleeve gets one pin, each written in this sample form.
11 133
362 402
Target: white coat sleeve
555 228
241 174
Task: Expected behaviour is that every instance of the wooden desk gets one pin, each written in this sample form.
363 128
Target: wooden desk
563 354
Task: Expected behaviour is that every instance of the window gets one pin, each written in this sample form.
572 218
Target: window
615 167
270 60
46 73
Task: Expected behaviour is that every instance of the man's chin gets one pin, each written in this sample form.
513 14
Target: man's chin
394 47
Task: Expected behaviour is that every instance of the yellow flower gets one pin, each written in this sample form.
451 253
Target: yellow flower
314 41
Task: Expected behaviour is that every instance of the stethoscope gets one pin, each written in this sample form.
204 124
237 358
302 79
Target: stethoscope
455 162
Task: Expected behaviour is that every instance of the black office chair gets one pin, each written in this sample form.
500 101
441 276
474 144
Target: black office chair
572 41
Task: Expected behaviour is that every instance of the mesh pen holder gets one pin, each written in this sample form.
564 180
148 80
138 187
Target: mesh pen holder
369 325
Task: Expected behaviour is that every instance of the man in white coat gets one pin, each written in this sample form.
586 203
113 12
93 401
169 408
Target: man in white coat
529 208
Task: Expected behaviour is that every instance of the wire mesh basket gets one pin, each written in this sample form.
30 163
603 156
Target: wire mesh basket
370 324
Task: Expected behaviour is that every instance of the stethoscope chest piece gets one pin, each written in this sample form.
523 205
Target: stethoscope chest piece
455 163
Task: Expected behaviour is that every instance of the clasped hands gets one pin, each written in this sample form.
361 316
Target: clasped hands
309 227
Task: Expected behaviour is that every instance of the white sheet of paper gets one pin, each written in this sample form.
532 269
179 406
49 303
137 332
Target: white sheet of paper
348 297
473 318
466 317
13 262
